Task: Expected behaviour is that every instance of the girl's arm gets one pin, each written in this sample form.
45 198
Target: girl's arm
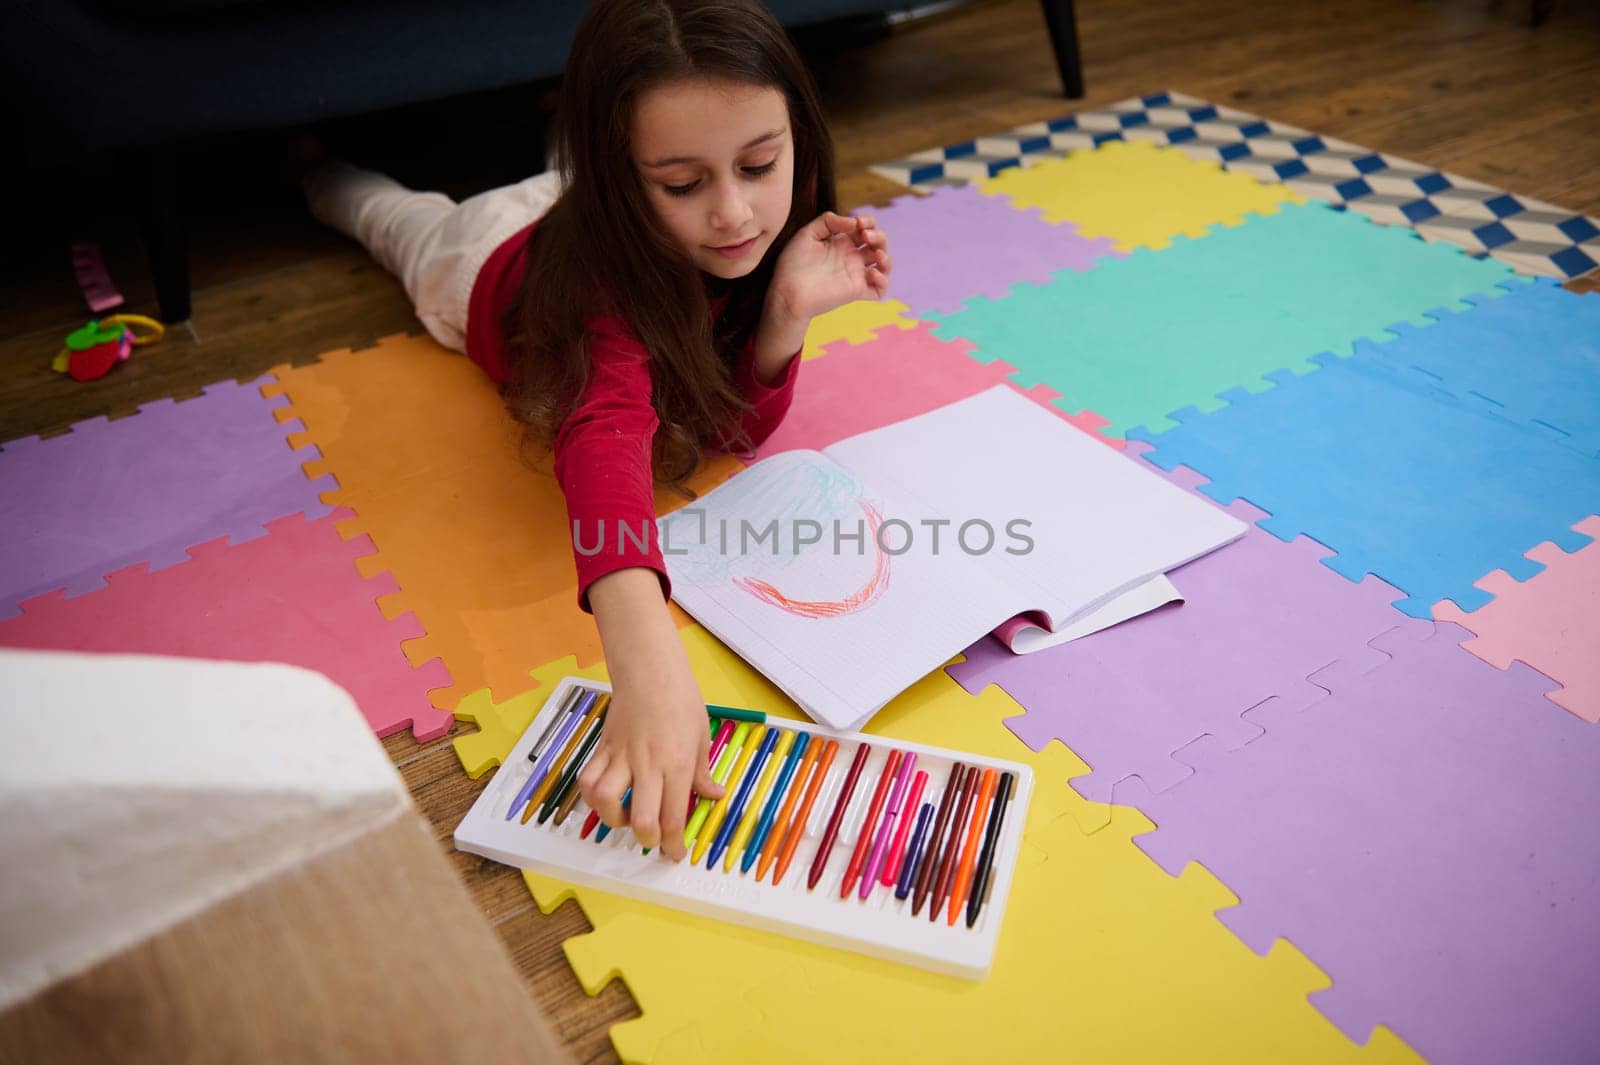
779 337
655 740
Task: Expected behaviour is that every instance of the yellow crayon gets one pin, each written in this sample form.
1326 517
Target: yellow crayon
719 809
720 774
752 810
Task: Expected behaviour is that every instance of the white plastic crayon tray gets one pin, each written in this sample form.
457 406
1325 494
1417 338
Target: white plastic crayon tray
881 925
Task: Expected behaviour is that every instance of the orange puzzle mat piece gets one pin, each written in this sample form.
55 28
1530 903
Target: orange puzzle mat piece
472 526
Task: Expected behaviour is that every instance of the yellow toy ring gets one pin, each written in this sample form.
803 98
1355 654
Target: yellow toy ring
156 329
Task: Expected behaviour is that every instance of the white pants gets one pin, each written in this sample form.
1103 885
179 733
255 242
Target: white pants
434 245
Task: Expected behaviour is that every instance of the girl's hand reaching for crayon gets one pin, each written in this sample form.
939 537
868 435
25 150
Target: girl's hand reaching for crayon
835 260
656 741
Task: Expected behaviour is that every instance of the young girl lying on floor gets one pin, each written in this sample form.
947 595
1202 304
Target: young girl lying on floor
645 301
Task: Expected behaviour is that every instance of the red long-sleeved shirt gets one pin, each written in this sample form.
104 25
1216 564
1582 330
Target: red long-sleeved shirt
602 450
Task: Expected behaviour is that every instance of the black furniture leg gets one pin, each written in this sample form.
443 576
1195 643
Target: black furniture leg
1063 26
165 241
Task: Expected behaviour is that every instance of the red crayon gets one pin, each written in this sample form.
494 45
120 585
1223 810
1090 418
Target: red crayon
820 862
897 852
589 823
720 741
947 865
864 838
717 744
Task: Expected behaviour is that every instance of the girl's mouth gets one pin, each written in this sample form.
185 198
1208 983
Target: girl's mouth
736 251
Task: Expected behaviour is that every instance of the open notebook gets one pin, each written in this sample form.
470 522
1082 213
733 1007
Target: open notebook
845 575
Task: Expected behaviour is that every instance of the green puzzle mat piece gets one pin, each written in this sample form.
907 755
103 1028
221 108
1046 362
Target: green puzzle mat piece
1138 338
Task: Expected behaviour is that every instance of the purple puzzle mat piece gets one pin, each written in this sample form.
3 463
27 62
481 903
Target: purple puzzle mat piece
145 488
1425 835
956 243
1261 615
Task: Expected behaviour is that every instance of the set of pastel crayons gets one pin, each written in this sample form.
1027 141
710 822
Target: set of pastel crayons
897 850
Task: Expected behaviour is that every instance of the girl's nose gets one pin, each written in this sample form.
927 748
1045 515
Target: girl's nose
730 209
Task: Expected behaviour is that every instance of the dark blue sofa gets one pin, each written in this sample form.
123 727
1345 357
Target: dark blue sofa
124 78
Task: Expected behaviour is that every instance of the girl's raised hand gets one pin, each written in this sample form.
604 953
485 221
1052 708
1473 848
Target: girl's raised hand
834 260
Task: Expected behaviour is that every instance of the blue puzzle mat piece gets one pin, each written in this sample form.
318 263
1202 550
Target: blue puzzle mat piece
1136 339
1399 478
1532 355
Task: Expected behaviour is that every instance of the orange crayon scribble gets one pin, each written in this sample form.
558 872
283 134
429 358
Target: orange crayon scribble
859 599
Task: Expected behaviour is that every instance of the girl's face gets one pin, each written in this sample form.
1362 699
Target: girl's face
717 162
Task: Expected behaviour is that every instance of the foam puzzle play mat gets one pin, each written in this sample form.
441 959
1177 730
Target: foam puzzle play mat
1338 805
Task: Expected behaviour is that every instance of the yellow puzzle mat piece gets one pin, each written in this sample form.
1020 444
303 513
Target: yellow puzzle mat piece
857 323
499 724
1103 955
1139 195
474 532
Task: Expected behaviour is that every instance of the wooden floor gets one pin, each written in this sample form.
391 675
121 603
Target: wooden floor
1463 85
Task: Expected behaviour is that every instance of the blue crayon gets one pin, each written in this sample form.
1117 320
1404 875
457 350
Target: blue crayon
914 853
604 830
746 786
758 839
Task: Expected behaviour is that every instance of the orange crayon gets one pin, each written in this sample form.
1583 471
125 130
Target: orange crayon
775 837
797 827
969 851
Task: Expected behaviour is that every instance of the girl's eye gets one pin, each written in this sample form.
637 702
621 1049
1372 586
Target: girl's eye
750 171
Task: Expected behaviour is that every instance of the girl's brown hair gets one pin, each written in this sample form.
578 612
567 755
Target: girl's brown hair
601 250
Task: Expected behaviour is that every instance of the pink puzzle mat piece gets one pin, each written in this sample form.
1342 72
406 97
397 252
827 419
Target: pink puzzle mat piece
291 596
1261 616
957 243
1551 621
900 374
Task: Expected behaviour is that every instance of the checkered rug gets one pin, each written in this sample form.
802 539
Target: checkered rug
1531 236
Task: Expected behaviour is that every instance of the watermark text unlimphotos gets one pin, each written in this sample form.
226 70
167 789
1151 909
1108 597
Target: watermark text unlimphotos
891 536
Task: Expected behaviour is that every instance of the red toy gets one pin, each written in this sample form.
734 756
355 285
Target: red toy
93 350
